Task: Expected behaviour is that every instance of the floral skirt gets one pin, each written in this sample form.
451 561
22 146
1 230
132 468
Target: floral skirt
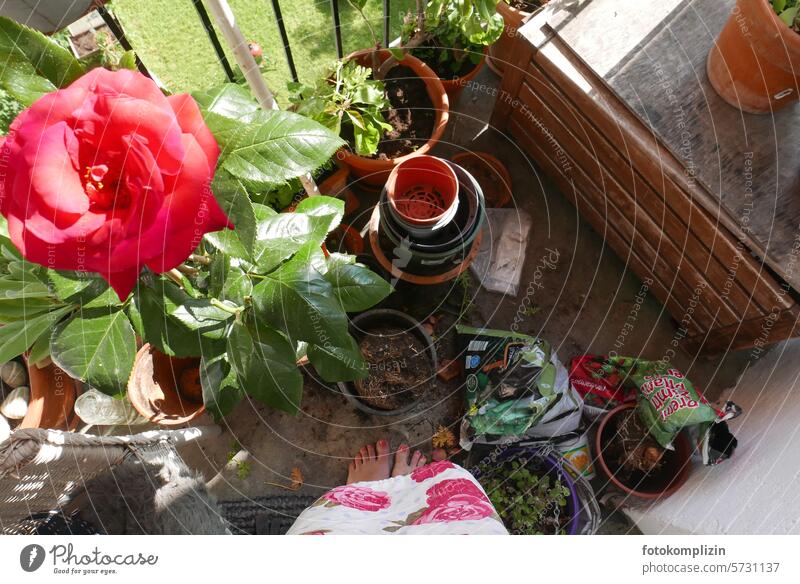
439 498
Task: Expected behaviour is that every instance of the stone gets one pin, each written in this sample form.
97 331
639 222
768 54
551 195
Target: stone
15 406
13 374
5 429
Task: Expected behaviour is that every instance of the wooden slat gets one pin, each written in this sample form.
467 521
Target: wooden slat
756 332
639 209
654 249
657 165
556 109
619 233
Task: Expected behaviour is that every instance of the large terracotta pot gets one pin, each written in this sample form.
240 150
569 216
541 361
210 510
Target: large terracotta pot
372 171
657 485
755 64
53 395
165 390
502 51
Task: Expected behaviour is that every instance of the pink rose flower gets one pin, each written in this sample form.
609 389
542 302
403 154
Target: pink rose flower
361 498
431 470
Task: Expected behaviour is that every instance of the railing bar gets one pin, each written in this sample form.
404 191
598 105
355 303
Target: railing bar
287 49
337 28
116 29
212 36
386 22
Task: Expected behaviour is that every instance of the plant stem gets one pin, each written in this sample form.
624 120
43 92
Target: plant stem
175 276
200 259
188 270
235 310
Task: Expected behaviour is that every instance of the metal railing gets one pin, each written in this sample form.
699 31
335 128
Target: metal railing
114 25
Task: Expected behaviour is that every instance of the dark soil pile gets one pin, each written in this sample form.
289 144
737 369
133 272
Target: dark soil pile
634 450
412 114
400 370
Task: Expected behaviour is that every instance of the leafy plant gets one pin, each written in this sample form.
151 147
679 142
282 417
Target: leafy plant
529 503
249 302
347 101
449 34
789 12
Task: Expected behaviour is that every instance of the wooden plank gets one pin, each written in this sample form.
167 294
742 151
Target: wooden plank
618 233
657 250
657 165
753 334
600 154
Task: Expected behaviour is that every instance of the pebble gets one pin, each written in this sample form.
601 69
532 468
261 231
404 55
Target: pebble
5 429
15 406
13 374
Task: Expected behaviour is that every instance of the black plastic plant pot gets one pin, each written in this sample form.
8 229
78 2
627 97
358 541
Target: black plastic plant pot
360 326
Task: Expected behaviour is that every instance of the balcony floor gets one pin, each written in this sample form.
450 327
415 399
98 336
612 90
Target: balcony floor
583 306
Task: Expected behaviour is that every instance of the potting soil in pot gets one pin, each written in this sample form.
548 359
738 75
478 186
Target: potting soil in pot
400 370
412 114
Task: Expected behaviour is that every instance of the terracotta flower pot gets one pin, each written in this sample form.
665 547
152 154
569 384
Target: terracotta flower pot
755 64
373 171
491 174
455 86
53 395
655 485
423 194
502 51
165 390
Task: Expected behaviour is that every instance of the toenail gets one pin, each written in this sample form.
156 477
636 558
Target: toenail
382 443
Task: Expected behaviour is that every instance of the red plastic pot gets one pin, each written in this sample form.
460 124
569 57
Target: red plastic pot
496 183
455 86
423 192
655 485
755 64
345 239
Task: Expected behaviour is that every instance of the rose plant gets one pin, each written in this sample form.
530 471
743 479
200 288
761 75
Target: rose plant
129 217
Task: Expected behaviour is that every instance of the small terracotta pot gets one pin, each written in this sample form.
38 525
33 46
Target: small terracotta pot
455 86
481 164
669 478
755 64
165 390
423 192
502 51
53 395
373 171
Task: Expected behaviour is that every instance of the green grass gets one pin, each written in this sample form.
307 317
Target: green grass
171 41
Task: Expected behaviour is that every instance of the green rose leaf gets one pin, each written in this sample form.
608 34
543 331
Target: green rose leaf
298 300
356 287
45 57
17 336
265 367
220 390
235 202
229 100
334 364
85 289
96 346
328 211
23 308
276 146
201 316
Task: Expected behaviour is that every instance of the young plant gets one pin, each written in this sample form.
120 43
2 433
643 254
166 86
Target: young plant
789 12
348 102
449 34
528 503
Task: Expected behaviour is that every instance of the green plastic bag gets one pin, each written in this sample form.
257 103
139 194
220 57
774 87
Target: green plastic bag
513 381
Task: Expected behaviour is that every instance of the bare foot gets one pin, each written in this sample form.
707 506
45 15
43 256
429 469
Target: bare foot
402 466
370 464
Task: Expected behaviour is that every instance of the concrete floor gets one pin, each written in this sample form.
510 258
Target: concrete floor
582 306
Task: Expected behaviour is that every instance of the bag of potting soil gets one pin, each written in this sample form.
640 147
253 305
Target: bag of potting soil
667 400
600 384
516 388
